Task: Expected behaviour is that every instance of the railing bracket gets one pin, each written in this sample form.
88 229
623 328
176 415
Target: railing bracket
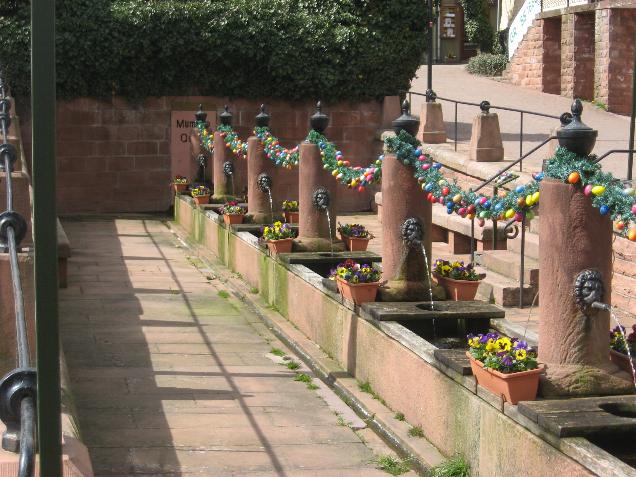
10 218
15 386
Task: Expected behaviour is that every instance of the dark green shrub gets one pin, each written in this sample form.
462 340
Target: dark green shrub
487 64
476 24
291 49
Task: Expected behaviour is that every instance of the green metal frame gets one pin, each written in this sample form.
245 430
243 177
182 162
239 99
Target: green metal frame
43 106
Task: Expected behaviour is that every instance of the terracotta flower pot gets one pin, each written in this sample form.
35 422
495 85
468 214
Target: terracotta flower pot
291 217
621 360
458 290
180 188
280 246
355 244
202 199
359 292
512 387
233 219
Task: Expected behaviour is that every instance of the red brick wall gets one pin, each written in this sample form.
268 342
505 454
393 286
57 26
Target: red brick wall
564 54
615 30
115 156
536 63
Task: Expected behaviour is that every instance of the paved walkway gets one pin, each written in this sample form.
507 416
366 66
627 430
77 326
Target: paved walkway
452 81
171 376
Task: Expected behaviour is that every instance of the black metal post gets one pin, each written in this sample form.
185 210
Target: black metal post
430 47
43 106
521 143
495 191
472 240
456 125
630 157
522 260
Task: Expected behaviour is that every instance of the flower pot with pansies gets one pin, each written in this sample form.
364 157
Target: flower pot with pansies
180 184
505 366
460 281
232 213
620 343
356 282
355 236
290 211
200 194
279 237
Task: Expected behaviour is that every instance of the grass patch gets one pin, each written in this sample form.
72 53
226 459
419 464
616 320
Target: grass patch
292 365
341 421
392 465
254 291
223 294
303 378
399 416
277 352
453 467
312 386
365 387
416 431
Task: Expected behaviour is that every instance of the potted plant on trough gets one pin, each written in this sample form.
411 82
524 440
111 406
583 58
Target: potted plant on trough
290 211
460 281
279 237
355 236
201 194
505 366
180 184
232 213
357 283
619 346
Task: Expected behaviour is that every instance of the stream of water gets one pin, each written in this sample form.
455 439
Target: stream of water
430 286
629 353
330 234
271 204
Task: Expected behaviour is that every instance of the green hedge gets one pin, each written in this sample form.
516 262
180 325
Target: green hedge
487 64
291 49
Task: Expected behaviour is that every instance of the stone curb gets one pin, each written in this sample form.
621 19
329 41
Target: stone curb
327 371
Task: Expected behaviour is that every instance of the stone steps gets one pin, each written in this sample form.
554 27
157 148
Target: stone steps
507 263
503 290
532 245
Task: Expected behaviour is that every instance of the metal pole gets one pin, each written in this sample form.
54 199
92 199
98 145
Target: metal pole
43 105
455 125
630 157
472 240
521 143
522 260
430 45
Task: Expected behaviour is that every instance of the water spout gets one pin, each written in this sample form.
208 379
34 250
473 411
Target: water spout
330 233
601 306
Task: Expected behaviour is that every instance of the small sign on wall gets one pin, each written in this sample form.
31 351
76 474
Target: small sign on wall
181 124
448 22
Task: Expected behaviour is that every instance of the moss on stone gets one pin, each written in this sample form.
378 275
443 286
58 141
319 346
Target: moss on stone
282 287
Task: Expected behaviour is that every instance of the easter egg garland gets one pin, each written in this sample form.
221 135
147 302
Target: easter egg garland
273 150
515 204
608 194
333 161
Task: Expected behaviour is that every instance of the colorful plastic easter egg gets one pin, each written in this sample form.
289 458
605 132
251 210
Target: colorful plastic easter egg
598 190
604 209
631 235
587 190
510 213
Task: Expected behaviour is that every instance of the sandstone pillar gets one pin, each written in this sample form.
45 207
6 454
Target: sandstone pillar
573 341
314 230
485 139
258 204
403 266
432 129
223 187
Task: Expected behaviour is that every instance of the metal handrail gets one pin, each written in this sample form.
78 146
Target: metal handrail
17 388
485 106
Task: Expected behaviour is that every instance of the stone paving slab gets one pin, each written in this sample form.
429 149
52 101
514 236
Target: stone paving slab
171 378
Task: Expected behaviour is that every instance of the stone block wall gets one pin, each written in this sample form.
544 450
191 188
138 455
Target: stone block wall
537 62
114 156
614 59
586 53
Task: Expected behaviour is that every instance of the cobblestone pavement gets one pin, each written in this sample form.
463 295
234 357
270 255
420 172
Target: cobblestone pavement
171 376
452 81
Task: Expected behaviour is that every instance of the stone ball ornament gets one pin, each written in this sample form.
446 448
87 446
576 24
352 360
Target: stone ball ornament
412 232
321 198
588 288
264 182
